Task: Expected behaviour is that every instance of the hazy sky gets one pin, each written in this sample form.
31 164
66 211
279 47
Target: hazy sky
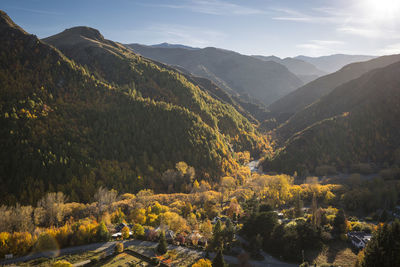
266 27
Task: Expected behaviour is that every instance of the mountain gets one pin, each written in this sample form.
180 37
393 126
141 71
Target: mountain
65 129
311 92
306 72
358 122
167 45
262 81
333 63
113 63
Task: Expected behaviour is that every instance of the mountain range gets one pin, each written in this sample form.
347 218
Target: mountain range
335 62
307 72
168 45
240 75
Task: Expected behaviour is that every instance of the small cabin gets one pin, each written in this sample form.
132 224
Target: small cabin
359 239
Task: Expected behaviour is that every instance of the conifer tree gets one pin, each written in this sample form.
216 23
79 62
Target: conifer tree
384 247
340 223
298 207
217 236
162 244
219 261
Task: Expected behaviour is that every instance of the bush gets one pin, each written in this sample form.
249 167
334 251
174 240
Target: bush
102 232
62 263
155 261
119 247
138 231
125 232
202 263
46 242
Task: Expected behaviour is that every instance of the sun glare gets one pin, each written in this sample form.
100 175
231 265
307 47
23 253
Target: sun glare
383 10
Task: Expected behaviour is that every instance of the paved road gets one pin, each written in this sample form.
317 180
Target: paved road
108 247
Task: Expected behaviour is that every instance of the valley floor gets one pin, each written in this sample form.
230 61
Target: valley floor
186 256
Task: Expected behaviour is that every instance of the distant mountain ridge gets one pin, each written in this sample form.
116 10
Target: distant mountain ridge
306 71
264 81
168 45
335 62
311 92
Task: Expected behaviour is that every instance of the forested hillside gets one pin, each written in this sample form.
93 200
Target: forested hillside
311 92
64 130
113 63
356 123
263 81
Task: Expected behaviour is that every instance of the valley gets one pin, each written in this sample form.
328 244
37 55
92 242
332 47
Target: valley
115 153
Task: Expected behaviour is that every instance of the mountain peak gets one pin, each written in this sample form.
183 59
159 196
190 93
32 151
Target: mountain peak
85 31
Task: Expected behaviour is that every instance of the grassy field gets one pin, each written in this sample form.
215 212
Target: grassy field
75 258
122 259
338 253
179 257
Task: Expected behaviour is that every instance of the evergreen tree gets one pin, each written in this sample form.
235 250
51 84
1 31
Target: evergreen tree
217 238
298 207
219 261
162 244
228 233
340 223
384 247
314 207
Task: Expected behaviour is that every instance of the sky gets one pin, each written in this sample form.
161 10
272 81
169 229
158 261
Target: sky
284 28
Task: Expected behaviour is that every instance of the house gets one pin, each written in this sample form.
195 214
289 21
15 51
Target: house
119 227
194 238
169 235
279 214
359 239
117 235
217 218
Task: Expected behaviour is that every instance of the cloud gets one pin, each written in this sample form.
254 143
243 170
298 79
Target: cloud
359 31
37 11
353 19
286 14
214 7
